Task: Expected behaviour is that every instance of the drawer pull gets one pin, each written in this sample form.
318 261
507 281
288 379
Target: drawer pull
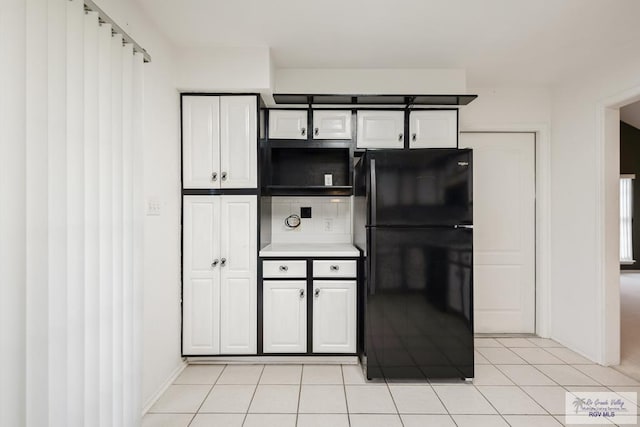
316 293
223 262
214 263
284 268
301 293
335 267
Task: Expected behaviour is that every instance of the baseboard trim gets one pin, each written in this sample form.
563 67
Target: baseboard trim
240 360
172 377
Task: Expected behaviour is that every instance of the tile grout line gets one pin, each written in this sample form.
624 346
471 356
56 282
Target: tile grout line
530 396
299 393
344 390
394 403
442 403
207 396
253 395
489 402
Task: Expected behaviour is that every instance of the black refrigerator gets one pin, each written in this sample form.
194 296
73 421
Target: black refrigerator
414 222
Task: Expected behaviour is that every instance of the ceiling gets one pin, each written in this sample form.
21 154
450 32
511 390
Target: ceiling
499 42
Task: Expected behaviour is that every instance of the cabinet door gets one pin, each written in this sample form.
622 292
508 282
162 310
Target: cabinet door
238 142
284 316
334 316
238 293
287 124
201 141
332 124
380 129
201 275
433 129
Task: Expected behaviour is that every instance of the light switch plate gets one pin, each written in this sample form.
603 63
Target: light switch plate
153 207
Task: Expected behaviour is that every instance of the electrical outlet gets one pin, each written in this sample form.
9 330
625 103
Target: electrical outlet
305 212
153 207
328 224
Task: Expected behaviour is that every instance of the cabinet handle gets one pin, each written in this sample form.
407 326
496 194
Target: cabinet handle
214 176
316 131
301 293
303 132
214 263
413 137
335 267
224 176
316 293
223 262
399 137
284 268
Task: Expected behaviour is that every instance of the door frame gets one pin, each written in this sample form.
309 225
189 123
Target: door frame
608 222
542 261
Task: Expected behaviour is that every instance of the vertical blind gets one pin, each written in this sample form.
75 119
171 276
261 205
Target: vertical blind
626 219
70 218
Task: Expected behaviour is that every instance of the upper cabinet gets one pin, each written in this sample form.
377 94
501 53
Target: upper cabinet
433 129
287 124
219 142
332 124
380 129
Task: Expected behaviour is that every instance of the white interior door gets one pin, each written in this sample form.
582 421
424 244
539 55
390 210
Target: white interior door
238 288
504 231
201 275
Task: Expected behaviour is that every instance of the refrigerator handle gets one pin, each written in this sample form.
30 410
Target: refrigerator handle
371 257
374 193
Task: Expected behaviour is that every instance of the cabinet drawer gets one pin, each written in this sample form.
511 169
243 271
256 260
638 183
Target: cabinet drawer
271 269
328 268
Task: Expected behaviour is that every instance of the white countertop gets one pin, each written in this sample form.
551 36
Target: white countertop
310 250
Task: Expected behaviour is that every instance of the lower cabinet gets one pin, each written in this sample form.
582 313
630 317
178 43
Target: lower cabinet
334 316
286 292
219 295
284 316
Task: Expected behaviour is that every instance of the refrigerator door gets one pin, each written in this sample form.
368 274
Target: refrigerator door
420 187
419 303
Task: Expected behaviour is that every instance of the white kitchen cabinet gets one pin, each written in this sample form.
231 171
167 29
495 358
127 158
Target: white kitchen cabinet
238 142
201 275
433 129
219 142
287 124
334 316
332 124
238 295
201 141
284 316
220 244
380 129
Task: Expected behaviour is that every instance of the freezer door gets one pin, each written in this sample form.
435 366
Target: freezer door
419 303
420 187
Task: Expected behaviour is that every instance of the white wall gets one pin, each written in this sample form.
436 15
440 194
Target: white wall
161 322
224 69
630 114
370 81
506 107
584 278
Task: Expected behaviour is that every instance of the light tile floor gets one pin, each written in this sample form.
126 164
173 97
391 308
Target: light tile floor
519 382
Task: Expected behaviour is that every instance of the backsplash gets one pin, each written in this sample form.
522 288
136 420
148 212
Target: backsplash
330 220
